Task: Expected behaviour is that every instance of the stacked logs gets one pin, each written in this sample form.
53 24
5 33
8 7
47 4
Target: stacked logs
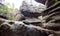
52 17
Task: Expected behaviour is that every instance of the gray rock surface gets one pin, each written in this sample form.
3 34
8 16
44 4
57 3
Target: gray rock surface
31 10
20 29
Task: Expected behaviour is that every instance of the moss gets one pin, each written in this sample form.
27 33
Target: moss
56 1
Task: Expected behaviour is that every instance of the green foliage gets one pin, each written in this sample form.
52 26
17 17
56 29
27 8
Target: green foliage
10 15
6 10
11 8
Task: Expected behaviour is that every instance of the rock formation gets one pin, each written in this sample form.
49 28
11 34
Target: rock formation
30 25
32 12
19 28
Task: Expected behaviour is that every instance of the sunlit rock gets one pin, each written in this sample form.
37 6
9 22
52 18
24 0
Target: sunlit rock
32 10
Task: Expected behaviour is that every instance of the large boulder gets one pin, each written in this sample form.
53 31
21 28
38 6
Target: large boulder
29 10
